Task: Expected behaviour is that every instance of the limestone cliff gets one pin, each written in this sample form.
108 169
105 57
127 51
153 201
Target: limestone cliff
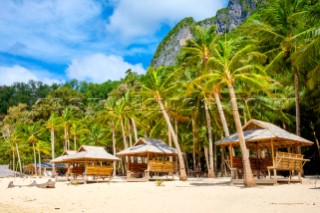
226 19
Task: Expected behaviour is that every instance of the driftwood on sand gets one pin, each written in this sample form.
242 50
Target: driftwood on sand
48 184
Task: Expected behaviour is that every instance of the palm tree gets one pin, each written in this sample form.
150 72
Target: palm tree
97 135
66 116
231 62
51 124
277 25
12 136
42 147
308 55
77 129
33 135
158 83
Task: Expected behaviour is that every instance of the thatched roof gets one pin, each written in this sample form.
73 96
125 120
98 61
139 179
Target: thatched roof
148 145
64 156
87 153
259 134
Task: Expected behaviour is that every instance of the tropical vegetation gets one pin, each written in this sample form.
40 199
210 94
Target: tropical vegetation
267 69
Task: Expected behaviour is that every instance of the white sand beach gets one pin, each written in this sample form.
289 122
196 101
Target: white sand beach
194 195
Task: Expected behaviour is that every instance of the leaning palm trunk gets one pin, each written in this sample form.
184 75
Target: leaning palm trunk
35 159
211 173
221 114
129 133
170 143
134 126
249 181
19 159
125 143
222 117
183 174
52 151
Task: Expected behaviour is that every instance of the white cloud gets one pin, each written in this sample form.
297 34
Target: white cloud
52 30
99 68
17 73
144 17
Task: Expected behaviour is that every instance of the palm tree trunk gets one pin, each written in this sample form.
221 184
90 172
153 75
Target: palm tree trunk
39 160
13 162
52 151
297 100
19 159
75 141
170 143
35 159
129 132
194 139
211 173
113 145
183 174
221 114
223 119
206 156
223 164
65 139
249 181
134 126
317 141
125 143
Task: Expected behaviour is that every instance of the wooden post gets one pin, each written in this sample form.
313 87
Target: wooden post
148 168
85 173
231 155
272 152
68 170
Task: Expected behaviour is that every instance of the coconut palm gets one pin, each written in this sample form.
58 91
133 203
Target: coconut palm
231 62
77 128
66 117
42 147
157 83
12 136
277 25
308 54
33 134
52 124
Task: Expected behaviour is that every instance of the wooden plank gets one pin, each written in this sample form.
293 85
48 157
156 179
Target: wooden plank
258 181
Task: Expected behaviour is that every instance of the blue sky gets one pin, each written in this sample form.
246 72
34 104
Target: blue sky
88 40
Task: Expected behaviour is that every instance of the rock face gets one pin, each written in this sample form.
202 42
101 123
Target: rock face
225 20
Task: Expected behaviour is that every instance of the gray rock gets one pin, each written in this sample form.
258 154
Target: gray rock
225 20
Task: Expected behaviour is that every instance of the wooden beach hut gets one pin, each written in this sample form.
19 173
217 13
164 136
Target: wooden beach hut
148 157
271 151
88 161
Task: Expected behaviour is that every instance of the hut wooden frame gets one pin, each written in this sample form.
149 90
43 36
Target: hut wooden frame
154 155
260 135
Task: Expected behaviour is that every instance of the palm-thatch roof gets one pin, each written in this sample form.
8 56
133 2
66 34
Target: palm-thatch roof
85 154
64 156
258 134
147 145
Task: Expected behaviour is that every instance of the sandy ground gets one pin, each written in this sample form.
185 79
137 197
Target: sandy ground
194 195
